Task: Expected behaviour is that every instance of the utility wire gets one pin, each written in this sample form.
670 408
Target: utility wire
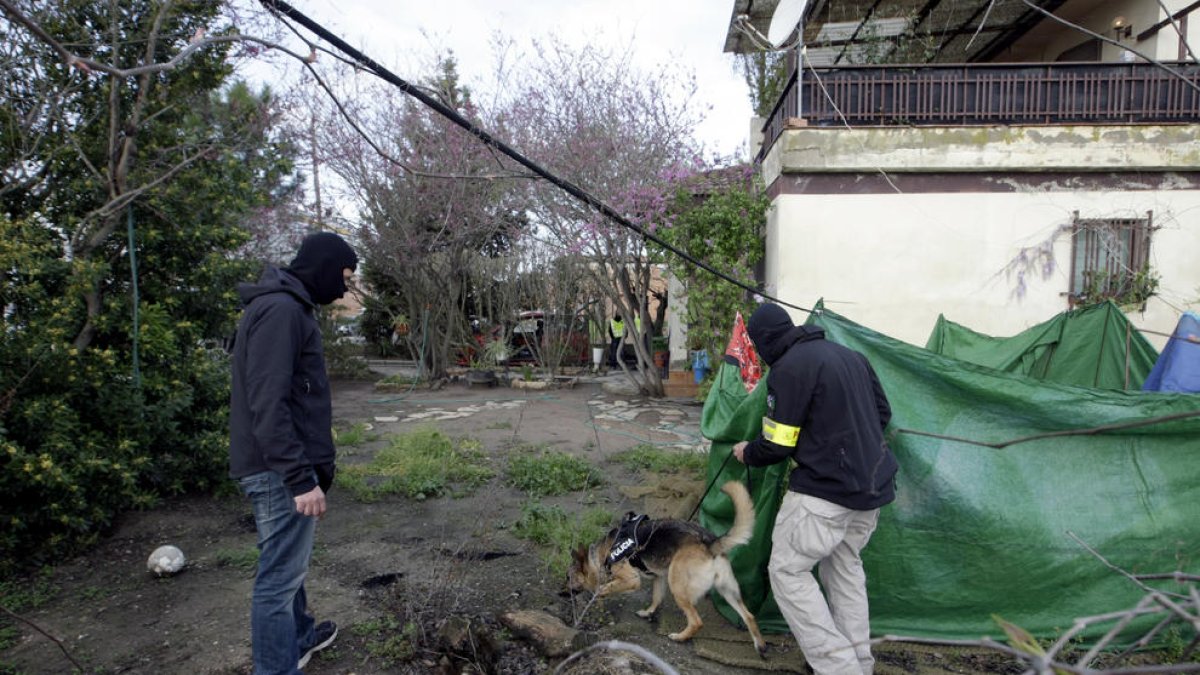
282 8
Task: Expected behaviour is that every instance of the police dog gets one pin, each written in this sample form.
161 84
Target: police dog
680 554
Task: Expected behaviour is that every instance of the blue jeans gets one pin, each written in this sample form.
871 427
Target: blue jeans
279 621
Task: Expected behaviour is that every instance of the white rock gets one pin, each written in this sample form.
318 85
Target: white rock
165 561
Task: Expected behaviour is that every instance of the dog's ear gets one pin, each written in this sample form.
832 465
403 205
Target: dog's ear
579 554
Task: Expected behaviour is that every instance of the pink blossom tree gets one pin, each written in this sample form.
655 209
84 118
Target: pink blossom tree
590 117
432 202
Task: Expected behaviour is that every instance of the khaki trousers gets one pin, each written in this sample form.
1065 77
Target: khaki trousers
833 635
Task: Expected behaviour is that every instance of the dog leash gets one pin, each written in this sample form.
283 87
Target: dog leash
749 484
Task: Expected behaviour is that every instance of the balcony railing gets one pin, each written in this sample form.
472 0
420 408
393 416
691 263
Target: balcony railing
988 94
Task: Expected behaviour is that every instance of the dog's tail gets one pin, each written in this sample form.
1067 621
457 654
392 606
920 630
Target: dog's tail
743 519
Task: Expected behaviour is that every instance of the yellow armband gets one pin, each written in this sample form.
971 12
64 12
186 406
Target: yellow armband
780 434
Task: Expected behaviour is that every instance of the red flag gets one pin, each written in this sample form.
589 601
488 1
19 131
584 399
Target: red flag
741 350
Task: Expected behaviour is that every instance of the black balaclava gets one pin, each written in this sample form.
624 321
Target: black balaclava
767 327
319 264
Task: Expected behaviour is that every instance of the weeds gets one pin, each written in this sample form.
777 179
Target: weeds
245 558
387 640
559 533
8 636
355 435
420 464
546 473
650 458
418 609
29 593
398 382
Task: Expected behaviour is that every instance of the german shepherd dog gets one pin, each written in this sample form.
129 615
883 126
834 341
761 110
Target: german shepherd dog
677 553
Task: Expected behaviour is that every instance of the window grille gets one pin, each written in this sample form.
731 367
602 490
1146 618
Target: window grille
1110 259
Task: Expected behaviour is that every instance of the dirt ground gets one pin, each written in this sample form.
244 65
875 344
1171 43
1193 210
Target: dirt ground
430 571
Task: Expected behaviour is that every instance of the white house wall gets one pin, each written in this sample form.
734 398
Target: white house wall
894 229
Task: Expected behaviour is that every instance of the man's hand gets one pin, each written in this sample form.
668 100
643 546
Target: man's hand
739 449
311 503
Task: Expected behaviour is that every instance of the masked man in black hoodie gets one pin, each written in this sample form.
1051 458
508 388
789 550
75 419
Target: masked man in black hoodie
281 446
827 411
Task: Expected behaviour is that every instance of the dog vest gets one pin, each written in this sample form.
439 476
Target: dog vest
625 542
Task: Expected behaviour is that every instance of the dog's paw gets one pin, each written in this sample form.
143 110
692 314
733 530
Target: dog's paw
678 637
762 650
645 614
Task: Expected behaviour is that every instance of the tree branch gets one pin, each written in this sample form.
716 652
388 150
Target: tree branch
78 666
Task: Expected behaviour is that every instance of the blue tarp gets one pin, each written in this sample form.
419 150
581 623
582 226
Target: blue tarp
1178 367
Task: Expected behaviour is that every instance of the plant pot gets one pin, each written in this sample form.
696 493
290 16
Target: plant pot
661 359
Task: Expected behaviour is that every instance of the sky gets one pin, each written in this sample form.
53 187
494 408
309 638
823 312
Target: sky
693 32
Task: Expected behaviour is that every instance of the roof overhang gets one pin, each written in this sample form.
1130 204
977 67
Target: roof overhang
838 32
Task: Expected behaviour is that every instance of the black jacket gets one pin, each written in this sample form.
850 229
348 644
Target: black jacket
280 413
833 396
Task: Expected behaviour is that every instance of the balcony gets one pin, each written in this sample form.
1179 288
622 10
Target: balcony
989 94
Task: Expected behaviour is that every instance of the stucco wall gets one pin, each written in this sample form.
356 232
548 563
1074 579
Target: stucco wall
893 227
893 262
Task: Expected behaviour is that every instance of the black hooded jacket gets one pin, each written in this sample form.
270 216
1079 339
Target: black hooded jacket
826 410
280 410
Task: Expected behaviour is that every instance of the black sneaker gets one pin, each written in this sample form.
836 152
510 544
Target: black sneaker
323 636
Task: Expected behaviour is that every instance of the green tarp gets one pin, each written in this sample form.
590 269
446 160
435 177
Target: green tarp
1093 346
977 531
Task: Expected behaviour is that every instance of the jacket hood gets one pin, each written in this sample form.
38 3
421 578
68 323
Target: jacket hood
319 264
275 280
772 331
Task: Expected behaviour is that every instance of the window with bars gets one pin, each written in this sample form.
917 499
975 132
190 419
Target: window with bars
1110 259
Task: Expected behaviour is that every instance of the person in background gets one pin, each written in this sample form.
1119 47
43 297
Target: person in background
281 446
826 411
616 333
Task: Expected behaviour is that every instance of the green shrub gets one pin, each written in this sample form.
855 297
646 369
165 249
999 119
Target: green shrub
547 473
85 442
422 463
97 416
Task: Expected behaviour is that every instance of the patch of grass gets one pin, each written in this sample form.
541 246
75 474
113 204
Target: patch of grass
499 425
355 435
18 595
543 473
1174 644
387 639
659 460
558 533
397 382
420 464
245 558
8 637
353 479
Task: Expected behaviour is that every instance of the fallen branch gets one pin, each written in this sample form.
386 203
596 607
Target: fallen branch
78 666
